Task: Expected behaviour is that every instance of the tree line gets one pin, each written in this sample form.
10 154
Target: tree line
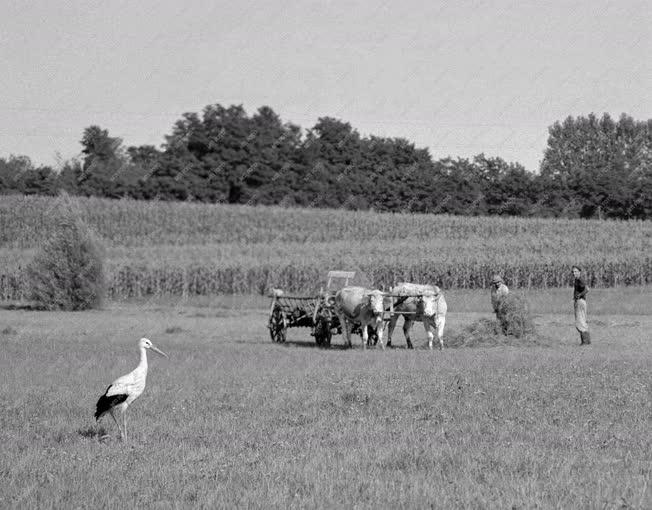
592 167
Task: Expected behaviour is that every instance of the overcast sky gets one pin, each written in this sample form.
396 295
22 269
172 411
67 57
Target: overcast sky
459 77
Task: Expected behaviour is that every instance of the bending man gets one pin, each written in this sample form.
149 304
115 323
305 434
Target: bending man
498 291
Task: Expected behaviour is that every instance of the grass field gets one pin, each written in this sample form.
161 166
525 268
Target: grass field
233 420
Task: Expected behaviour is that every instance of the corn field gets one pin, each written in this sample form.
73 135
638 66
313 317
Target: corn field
164 248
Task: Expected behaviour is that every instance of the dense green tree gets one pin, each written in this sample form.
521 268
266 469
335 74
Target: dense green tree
38 181
12 171
461 189
592 167
597 165
143 161
104 165
332 148
507 188
69 177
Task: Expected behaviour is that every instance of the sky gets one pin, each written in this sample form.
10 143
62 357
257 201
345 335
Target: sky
460 78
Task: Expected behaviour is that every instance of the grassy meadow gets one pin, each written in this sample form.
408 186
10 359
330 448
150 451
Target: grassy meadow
232 420
186 249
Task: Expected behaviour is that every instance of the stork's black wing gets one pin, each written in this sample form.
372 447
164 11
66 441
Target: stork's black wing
105 403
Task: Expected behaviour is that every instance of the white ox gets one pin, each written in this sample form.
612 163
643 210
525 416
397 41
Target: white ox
357 305
424 303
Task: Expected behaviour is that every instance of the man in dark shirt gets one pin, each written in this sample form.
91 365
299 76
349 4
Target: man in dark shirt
579 298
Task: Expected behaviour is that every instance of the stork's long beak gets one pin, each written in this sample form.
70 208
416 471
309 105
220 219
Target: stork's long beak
159 351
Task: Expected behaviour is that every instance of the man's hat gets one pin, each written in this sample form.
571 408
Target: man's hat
497 279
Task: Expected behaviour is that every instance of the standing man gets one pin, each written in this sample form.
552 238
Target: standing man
440 316
579 298
498 291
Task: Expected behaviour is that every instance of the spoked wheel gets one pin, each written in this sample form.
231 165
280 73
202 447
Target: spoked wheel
277 329
323 332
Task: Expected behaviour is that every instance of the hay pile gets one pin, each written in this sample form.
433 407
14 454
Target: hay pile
67 271
514 316
513 326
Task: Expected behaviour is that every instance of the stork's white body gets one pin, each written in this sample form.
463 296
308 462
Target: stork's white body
124 390
131 384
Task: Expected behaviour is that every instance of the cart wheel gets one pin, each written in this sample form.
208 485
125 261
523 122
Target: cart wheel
323 332
276 326
335 325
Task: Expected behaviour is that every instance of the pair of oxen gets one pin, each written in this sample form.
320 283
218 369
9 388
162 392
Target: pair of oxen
415 302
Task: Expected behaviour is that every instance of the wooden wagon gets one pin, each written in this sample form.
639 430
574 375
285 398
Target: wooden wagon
314 312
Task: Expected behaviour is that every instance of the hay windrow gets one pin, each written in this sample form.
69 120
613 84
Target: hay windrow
513 326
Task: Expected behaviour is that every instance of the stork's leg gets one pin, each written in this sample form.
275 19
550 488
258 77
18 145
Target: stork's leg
117 423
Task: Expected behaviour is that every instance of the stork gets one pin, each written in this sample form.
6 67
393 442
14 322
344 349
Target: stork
124 390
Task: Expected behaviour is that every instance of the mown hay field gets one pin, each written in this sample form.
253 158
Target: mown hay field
160 248
232 420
